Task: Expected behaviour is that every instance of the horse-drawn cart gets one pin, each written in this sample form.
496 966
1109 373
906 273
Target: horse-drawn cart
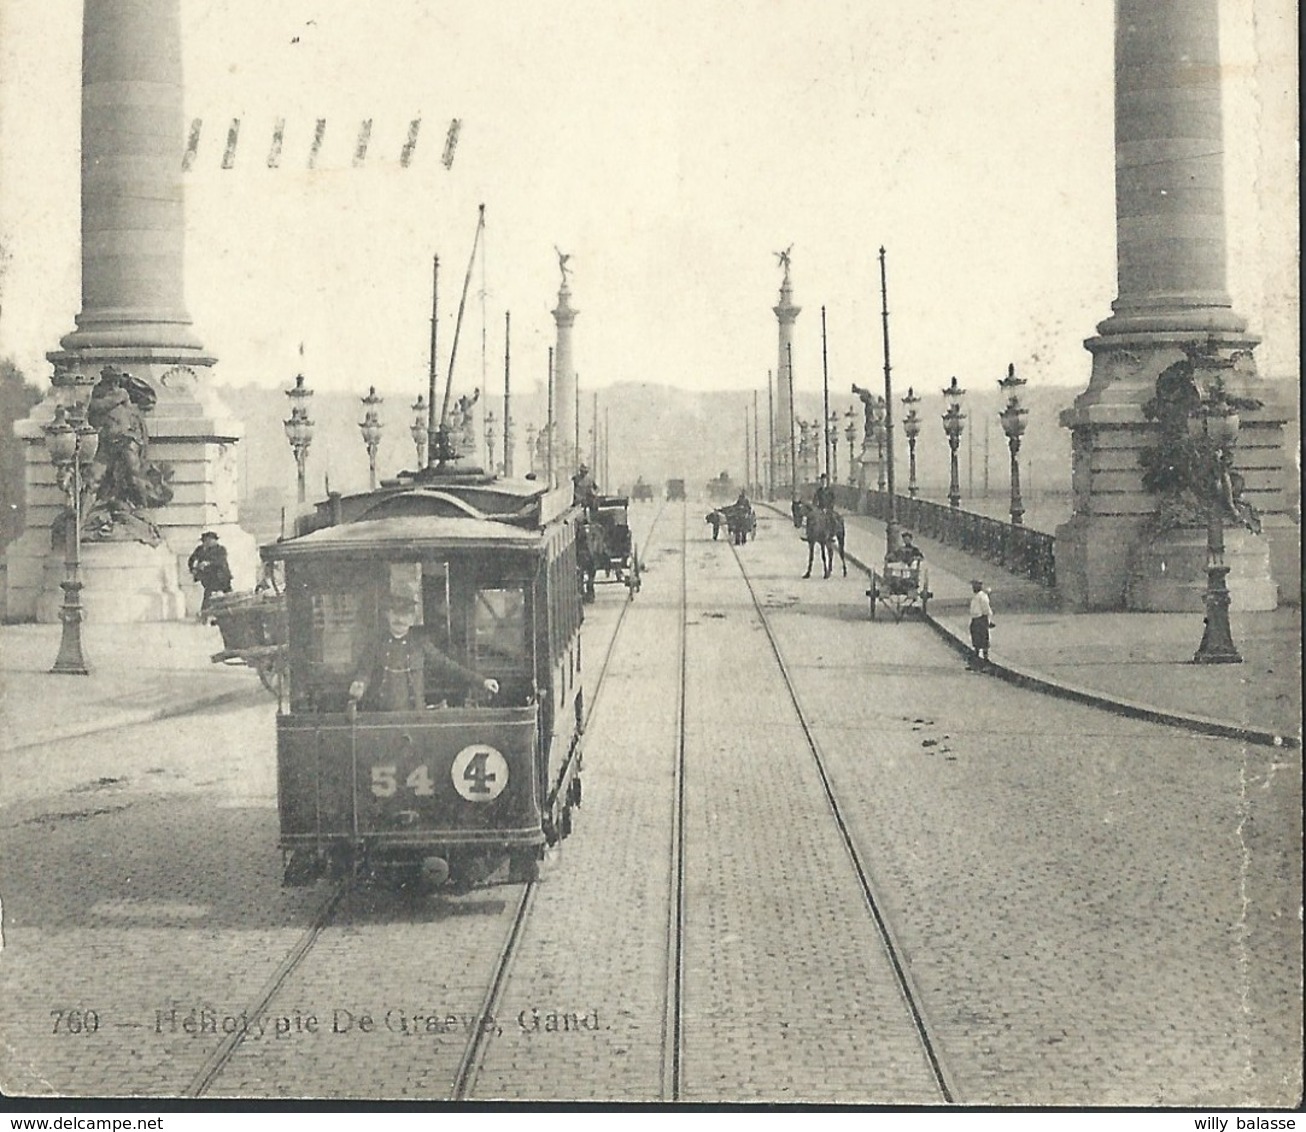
253 627
606 544
902 586
642 492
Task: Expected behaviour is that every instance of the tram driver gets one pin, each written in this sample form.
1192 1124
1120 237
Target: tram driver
394 669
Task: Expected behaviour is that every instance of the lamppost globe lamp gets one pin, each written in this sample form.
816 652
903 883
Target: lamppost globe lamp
954 420
1013 424
72 445
370 427
1215 423
417 430
911 426
299 428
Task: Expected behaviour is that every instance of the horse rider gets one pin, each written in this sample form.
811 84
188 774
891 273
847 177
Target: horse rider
823 499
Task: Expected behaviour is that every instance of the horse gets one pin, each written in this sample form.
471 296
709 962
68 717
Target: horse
741 520
826 529
591 552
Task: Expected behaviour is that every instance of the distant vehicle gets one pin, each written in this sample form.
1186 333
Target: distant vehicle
605 543
642 492
721 489
675 490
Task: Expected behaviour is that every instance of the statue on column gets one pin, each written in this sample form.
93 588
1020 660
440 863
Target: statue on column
562 263
126 482
869 405
783 258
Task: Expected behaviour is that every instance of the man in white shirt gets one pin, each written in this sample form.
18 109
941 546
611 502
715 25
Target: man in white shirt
981 620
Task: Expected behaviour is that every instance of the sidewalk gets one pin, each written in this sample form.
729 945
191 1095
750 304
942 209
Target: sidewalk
1136 663
139 672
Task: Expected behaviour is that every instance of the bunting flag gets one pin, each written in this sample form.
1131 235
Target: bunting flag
277 148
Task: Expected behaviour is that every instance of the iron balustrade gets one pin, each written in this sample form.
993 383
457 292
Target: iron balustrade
1025 552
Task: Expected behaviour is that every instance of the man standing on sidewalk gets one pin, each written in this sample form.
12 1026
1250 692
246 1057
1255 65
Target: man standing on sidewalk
981 621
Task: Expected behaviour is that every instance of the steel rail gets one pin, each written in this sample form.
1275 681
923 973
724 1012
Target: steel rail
893 950
478 1042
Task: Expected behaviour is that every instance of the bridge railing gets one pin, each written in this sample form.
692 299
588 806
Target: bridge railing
1028 553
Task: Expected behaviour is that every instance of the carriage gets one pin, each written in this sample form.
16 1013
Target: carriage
739 519
642 492
464 787
253 628
606 544
675 491
899 588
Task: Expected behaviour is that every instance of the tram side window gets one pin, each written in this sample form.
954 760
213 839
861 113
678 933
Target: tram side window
500 640
330 617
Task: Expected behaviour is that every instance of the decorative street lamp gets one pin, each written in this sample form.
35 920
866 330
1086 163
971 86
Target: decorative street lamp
832 435
417 430
954 420
72 445
530 446
370 426
879 443
1215 423
803 443
299 428
850 434
491 435
911 425
1013 424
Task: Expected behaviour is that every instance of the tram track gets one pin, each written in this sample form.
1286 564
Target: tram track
473 1057
479 1033
891 947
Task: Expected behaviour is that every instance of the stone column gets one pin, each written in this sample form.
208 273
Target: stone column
786 314
1172 300
134 318
566 458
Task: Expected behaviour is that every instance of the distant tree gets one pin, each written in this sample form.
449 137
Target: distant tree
16 400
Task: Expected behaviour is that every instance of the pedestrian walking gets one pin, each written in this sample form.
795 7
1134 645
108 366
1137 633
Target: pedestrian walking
208 565
981 621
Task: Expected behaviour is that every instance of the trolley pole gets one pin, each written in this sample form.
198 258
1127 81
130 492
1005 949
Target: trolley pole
891 526
757 451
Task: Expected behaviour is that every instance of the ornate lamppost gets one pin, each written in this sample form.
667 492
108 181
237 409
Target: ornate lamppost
911 425
850 433
1013 424
832 434
1214 424
879 443
954 420
299 428
530 447
417 430
370 426
72 445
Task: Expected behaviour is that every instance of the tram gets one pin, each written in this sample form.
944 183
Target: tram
467 786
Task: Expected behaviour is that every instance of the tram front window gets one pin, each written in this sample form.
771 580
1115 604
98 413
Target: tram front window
500 642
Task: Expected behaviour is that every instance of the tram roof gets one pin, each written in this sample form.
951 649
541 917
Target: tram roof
399 533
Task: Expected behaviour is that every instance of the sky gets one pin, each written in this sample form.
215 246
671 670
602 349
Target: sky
670 148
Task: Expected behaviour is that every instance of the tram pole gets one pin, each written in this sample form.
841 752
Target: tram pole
507 395
891 526
825 381
432 383
548 428
793 454
757 451
770 432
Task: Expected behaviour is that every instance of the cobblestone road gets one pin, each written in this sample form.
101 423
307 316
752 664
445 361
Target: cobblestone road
1098 911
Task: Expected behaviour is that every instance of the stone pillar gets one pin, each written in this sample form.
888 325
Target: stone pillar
134 318
786 314
1172 300
566 458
